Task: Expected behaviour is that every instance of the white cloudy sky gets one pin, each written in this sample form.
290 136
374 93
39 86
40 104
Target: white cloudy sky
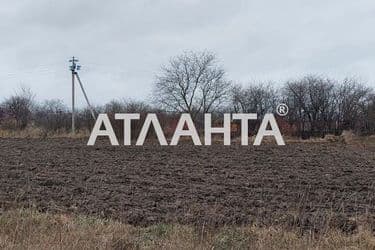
121 44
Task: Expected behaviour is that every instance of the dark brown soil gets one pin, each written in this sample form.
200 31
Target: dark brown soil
298 184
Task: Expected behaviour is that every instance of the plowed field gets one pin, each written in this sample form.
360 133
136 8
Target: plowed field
297 184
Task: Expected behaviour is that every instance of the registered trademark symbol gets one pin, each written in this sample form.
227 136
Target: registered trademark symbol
282 109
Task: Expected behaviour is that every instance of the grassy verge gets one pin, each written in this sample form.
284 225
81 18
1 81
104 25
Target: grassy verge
29 229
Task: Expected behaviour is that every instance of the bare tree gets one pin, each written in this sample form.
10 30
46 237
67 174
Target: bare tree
295 95
257 98
312 103
369 115
19 107
320 105
126 106
2 113
114 106
52 115
351 99
191 83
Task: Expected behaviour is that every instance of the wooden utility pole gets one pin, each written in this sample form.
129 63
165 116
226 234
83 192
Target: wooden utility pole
73 108
74 67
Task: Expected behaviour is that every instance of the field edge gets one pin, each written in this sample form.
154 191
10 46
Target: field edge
28 228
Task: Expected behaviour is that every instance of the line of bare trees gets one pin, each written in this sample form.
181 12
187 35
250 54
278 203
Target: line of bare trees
196 83
320 105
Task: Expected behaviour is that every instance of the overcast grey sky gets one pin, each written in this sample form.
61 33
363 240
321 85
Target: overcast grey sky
122 44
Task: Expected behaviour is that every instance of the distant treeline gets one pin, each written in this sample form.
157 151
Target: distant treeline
195 83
